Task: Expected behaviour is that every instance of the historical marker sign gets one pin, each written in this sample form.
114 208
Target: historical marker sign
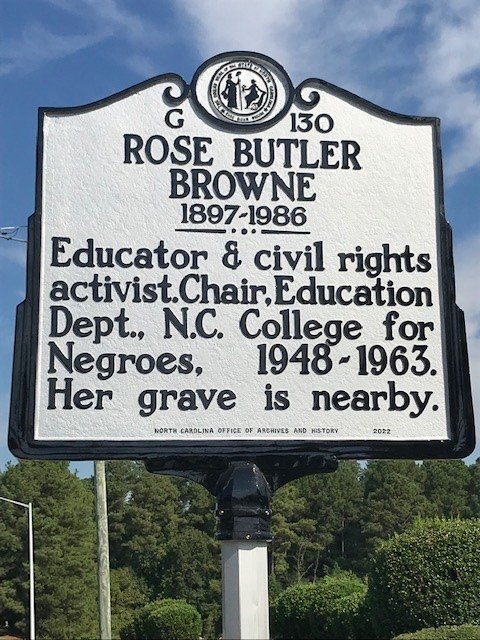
239 265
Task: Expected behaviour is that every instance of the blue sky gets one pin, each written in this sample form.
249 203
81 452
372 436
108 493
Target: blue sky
412 56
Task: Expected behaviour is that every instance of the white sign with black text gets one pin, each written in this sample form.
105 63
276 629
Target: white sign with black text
240 260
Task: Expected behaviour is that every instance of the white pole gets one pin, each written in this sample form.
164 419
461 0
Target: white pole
30 557
245 590
32 588
103 559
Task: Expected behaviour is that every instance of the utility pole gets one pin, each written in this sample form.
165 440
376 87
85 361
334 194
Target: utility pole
103 557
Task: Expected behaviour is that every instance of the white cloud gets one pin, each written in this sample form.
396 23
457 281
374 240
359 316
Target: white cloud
132 26
386 51
96 21
37 45
467 276
142 65
268 26
112 16
456 46
307 36
447 77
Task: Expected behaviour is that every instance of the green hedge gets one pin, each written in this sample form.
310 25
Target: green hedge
330 608
426 577
166 619
463 632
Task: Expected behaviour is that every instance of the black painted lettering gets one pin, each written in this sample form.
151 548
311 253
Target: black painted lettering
201 179
156 149
172 320
179 186
133 143
176 123
181 145
147 401
224 185
328 151
200 149
279 184
303 183
64 398
251 183
58 248
55 392
226 399
242 152
200 324
350 151
55 353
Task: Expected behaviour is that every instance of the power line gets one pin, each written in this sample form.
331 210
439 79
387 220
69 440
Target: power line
9 233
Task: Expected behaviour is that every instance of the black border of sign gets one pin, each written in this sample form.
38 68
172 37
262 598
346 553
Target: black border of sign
298 456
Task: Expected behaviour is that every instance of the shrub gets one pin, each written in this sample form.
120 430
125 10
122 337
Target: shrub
463 632
426 577
330 608
128 594
166 619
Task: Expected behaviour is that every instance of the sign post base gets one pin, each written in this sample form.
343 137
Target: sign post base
243 512
245 590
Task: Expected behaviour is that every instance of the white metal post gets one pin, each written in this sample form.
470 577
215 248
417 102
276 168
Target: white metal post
245 590
30 557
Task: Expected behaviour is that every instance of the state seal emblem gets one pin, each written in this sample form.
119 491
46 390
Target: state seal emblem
243 91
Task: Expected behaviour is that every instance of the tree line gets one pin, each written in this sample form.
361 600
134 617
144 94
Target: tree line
162 530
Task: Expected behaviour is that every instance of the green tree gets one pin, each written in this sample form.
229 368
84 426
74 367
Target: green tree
316 523
120 476
162 531
445 632
165 619
393 497
294 530
426 577
334 501
128 593
447 486
474 489
64 540
191 569
330 608
152 517
197 506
